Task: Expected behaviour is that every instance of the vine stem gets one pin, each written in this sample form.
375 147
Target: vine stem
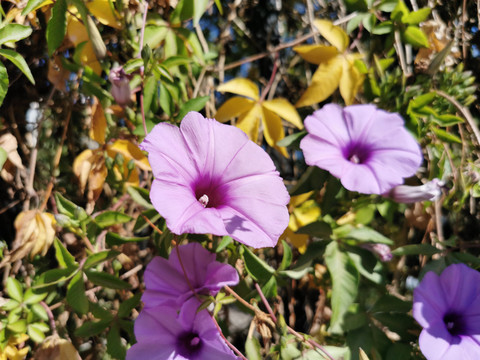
272 77
142 69
51 318
230 345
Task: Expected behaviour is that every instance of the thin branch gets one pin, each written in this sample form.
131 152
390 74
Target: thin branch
465 112
230 345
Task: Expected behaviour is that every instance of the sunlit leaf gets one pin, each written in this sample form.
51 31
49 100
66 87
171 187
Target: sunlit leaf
273 129
285 110
416 37
14 32
324 82
104 13
130 151
240 86
76 296
99 124
3 83
350 81
56 26
233 107
19 62
250 121
33 5
316 54
334 34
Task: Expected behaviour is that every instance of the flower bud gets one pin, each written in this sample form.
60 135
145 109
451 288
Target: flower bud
120 86
410 194
381 250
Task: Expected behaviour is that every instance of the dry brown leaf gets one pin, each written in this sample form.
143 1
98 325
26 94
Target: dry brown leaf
56 348
57 74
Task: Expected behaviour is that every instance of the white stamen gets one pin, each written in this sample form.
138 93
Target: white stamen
204 200
355 159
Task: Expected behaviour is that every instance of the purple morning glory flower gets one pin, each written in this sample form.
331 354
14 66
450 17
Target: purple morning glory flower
448 309
368 149
165 281
163 335
210 178
410 194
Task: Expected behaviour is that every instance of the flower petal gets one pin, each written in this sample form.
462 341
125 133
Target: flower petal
151 350
429 303
182 211
435 342
463 286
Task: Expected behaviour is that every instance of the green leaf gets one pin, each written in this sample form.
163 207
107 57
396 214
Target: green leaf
416 17
3 85
176 61
65 207
100 257
422 100
30 297
149 92
226 240
312 179
389 303
14 289
292 140
363 234
195 104
39 311
140 196
345 281
319 229
448 120
252 349
165 100
19 62
416 37
383 28
115 346
31 6
56 26
270 287
106 280
76 296
287 256
53 276
64 258
36 333
14 32
128 305
416 249
446 136
91 328
3 157
258 269
399 11
18 327
115 239
109 218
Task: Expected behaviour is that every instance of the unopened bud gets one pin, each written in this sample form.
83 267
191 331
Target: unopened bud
410 194
120 86
381 250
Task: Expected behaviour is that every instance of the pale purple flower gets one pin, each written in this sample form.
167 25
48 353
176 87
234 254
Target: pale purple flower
165 282
448 309
210 178
162 334
120 86
410 194
368 149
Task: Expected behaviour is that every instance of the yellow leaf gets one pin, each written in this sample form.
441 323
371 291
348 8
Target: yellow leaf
129 151
297 240
233 107
90 167
99 123
104 13
273 130
298 200
324 82
240 86
250 121
87 57
307 213
56 348
81 167
316 54
285 110
350 81
334 34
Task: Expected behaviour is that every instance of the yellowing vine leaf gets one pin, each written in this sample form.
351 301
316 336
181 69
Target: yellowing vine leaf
104 13
35 232
99 123
334 34
251 111
90 168
302 212
11 351
336 67
241 86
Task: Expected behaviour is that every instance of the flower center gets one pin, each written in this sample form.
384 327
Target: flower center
357 153
189 344
207 193
455 324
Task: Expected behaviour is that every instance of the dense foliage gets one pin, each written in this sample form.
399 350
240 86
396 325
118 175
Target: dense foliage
83 82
